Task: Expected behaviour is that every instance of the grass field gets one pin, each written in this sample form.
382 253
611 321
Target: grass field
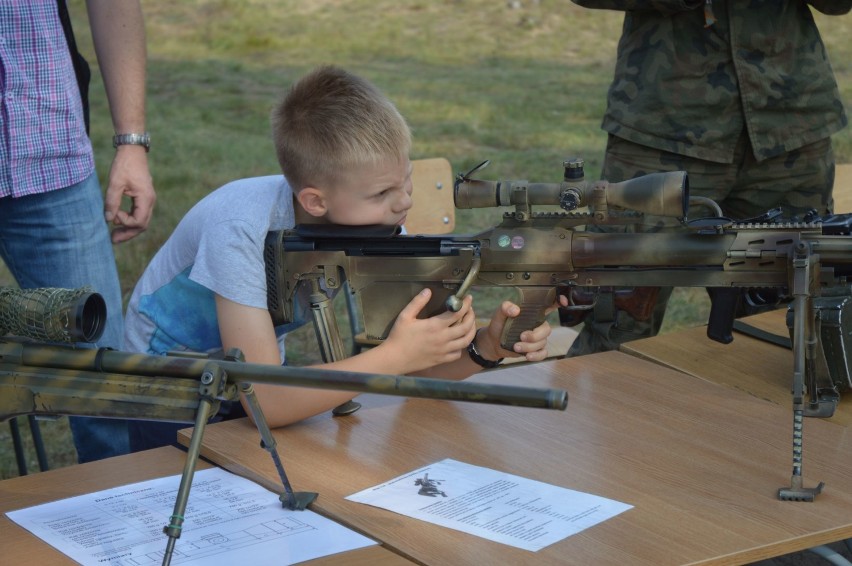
520 83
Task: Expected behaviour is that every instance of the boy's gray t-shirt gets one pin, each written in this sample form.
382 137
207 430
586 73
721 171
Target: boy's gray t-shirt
216 248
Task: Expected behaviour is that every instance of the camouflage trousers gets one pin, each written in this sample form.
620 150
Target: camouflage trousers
798 182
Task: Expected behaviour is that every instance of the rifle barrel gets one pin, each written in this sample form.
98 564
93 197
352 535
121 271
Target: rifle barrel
110 361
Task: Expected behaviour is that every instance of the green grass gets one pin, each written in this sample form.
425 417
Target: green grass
476 80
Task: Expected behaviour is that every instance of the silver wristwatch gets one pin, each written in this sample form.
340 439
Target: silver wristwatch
143 139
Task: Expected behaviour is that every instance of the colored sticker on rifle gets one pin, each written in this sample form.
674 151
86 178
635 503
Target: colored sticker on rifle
503 241
517 242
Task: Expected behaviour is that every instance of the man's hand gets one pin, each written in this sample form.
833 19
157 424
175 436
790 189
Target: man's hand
129 175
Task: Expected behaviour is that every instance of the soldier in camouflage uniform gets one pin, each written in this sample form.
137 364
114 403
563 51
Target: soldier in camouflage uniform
740 95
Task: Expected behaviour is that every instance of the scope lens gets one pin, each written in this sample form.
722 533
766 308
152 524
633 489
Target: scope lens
91 317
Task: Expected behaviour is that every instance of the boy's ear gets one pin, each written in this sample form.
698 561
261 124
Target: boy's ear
312 201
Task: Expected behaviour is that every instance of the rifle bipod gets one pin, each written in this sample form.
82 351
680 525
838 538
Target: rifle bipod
804 352
214 387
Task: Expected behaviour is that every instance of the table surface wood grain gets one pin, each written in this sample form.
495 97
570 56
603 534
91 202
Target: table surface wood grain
701 463
748 364
20 547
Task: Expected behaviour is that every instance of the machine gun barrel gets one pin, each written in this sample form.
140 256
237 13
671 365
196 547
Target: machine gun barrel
833 249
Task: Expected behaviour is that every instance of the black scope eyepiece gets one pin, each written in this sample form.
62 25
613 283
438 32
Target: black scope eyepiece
52 314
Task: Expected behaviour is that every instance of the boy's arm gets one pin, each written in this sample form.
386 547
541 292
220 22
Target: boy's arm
250 329
414 344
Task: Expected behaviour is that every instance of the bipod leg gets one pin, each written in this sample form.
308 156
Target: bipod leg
797 491
295 501
211 380
803 332
328 338
822 402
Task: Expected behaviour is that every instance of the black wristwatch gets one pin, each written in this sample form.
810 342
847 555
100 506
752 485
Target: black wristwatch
477 357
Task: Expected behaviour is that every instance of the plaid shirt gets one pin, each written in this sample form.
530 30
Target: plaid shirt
43 141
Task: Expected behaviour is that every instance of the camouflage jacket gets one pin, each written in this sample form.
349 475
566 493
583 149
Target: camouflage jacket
682 87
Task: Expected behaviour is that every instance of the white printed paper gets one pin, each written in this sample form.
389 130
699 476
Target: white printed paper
494 505
228 520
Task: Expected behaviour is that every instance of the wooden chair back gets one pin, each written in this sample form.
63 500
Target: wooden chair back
434 211
843 188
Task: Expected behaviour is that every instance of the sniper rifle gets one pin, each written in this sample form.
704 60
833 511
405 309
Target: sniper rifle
61 378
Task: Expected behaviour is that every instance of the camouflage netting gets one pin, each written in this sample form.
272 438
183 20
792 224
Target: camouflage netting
48 314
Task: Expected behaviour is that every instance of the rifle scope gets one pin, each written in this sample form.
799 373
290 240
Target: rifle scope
661 194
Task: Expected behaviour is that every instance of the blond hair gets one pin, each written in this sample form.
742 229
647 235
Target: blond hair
331 121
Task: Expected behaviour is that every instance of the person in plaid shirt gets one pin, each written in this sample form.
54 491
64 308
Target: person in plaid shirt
54 220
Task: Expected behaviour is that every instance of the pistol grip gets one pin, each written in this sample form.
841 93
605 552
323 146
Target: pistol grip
723 308
534 303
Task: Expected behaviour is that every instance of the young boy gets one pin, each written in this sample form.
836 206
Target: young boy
343 148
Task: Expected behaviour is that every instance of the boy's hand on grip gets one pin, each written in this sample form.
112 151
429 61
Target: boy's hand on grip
428 342
531 344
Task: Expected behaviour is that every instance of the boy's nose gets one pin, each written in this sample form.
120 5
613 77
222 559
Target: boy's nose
405 201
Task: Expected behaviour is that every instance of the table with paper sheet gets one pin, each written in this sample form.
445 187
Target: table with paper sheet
699 463
22 547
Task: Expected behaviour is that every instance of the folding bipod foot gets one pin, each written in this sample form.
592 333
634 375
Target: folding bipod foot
822 401
823 407
297 501
796 491
293 500
346 408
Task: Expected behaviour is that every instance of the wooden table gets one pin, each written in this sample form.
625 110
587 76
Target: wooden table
700 463
19 547
748 364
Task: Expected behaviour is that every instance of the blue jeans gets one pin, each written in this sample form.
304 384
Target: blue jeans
60 239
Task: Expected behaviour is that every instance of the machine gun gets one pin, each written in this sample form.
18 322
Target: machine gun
38 378
540 254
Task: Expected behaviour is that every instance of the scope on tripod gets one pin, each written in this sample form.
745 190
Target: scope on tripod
52 314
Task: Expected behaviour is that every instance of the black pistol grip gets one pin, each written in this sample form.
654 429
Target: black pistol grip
724 302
